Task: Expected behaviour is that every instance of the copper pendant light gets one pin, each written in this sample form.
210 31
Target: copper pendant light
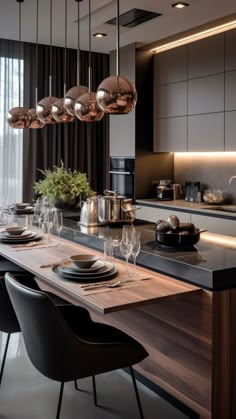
117 95
75 92
19 117
36 123
44 107
59 111
86 107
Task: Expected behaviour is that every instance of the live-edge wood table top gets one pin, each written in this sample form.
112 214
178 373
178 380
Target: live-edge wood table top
159 286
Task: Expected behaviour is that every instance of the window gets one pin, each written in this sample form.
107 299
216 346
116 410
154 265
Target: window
11 140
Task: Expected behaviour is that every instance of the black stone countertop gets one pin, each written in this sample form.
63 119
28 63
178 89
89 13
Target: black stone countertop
208 265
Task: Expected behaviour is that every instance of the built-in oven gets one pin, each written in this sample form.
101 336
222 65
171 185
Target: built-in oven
122 176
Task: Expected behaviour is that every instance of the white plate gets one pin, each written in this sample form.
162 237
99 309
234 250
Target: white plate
106 268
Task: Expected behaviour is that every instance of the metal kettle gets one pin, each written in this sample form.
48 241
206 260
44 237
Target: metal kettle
89 212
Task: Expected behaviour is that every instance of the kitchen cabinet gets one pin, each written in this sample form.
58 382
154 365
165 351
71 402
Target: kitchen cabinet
170 66
230 55
206 95
153 214
206 57
191 110
171 100
206 132
132 132
230 130
170 134
230 91
215 225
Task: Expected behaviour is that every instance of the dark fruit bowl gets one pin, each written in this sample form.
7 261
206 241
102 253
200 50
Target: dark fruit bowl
180 239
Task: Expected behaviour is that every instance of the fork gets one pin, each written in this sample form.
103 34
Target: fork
98 284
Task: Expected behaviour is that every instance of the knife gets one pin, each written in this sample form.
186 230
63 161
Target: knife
94 284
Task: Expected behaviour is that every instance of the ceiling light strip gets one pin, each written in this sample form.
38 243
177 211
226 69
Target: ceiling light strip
195 37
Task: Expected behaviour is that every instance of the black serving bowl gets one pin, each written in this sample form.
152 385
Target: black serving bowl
178 239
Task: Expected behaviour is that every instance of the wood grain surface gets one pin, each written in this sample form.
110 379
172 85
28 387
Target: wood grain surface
160 286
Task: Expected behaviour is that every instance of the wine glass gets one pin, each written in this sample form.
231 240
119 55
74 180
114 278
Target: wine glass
136 246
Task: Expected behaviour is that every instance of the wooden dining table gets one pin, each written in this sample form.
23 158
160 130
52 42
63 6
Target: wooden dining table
158 286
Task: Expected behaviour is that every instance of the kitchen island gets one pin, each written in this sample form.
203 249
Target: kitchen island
191 338
188 330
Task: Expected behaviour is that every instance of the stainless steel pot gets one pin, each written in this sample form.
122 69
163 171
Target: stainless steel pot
113 208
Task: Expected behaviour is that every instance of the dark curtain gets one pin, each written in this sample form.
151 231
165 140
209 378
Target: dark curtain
80 145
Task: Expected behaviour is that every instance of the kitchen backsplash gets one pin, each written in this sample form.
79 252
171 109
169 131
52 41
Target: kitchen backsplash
213 170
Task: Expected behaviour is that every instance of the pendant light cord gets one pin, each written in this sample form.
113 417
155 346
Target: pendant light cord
50 64
78 48
36 52
118 39
65 73
90 61
19 57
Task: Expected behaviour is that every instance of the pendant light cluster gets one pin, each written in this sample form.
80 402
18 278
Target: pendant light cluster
116 95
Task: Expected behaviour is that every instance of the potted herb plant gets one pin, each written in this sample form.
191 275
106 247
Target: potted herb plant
64 187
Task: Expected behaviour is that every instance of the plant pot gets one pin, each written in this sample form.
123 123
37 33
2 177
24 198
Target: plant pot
66 205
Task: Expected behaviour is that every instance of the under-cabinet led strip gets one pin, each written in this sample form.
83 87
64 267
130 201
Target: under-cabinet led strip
195 37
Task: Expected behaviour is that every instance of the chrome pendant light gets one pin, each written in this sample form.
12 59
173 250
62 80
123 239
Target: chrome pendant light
75 92
44 107
36 123
117 95
19 117
59 111
86 107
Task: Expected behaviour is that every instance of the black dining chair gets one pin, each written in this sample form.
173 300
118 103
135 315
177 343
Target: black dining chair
8 320
72 346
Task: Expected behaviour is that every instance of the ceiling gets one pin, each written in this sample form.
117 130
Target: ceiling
170 22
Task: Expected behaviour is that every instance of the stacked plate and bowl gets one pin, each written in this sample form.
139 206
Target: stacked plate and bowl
18 235
86 268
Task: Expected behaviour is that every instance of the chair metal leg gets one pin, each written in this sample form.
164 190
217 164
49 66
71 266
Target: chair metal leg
60 400
94 391
4 357
76 386
136 393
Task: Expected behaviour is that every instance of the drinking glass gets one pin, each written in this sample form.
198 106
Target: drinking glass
58 222
126 243
108 250
49 219
136 245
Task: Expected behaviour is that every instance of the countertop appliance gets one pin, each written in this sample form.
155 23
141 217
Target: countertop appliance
193 192
165 190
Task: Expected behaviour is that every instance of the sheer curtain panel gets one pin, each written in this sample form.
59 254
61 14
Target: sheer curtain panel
11 140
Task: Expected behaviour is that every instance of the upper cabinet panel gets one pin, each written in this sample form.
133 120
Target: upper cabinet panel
206 94
206 132
230 50
230 90
206 56
171 100
171 66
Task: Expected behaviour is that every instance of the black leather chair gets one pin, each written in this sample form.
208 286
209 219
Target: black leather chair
8 320
72 346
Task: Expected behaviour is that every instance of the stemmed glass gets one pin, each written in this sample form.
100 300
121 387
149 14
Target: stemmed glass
136 245
126 243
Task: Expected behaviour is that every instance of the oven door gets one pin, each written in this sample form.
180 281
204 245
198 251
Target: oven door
122 176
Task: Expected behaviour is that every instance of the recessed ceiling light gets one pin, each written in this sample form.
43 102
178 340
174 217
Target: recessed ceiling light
179 5
99 35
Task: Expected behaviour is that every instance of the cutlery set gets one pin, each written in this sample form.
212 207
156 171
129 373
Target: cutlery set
93 286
